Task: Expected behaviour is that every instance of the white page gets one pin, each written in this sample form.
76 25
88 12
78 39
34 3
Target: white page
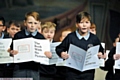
107 53
101 60
76 57
41 45
117 62
55 57
4 54
4 46
91 60
24 48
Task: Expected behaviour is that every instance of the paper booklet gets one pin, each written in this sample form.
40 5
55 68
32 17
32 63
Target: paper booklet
80 59
30 49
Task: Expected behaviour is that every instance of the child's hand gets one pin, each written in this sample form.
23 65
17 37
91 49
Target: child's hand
100 55
48 54
116 56
13 52
64 55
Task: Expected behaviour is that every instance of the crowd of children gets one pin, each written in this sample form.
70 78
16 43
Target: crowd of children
83 37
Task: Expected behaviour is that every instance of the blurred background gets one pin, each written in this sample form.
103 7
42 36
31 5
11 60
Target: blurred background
105 14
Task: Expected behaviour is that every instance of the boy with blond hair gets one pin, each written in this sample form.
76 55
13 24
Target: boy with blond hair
47 72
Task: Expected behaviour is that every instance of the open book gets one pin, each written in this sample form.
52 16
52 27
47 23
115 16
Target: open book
30 49
80 59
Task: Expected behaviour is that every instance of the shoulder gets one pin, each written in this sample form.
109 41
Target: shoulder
20 34
92 36
6 36
39 36
72 34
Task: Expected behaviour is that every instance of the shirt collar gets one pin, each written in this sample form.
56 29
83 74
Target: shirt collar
80 37
2 35
33 33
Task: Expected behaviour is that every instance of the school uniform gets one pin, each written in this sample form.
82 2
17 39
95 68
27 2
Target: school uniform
26 69
111 75
6 69
47 72
109 63
83 42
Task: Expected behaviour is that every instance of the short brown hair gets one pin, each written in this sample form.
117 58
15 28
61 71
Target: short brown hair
93 26
82 15
33 14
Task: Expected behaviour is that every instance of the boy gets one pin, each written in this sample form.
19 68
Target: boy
47 72
27 69
13 28
109 63
83 39
93 28
64 33
2 36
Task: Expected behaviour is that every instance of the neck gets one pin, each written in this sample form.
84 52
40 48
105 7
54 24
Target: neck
82 33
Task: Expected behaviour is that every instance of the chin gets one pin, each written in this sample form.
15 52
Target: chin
32 30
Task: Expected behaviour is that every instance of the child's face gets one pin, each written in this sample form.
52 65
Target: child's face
13 30
2 27
64 34
83 26
31 24
93 31
48 33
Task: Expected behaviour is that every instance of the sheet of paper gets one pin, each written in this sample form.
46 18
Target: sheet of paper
117 62
55 57
4 46
4 54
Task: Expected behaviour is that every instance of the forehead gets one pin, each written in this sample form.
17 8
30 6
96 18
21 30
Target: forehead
30 18
85 19
13 26
49 29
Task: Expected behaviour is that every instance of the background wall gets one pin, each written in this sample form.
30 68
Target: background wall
105 14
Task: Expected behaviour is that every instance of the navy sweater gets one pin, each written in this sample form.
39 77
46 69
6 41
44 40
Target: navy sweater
82 43
48 70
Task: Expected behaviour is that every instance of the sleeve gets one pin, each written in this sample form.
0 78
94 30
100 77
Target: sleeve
64 46
11 46
109 63
101 49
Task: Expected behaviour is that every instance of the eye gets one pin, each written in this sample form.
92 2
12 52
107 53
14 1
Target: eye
35 23
87 22
12 28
